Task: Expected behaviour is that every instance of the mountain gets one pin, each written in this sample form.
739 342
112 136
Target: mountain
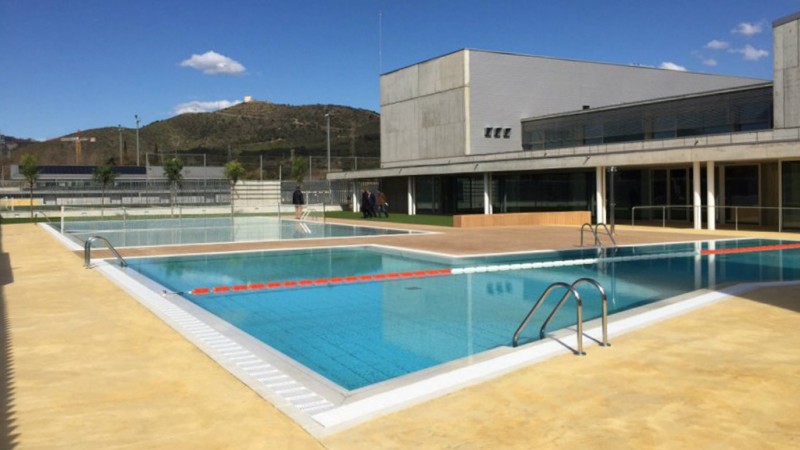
11 142
253 132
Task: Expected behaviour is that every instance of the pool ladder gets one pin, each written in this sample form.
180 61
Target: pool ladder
87 251
595 229
571 291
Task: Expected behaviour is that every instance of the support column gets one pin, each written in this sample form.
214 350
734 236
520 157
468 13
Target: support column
600 194
412 207
711 217
487 193
354 200
697 200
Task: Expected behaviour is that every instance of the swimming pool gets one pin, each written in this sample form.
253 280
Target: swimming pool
202 230
327 310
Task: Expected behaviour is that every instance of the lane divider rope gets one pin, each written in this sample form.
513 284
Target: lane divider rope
760 248
425 273
318 282
468 270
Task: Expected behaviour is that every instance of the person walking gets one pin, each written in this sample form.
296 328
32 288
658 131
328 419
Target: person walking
365 203
383 205
372 202
298 200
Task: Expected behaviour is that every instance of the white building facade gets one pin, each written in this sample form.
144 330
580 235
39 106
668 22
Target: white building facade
486 132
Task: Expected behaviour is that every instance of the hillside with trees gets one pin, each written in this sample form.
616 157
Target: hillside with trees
259 134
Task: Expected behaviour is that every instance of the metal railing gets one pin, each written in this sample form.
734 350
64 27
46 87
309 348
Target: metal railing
38 213
570 291
700 209
314 212
595 229
87 251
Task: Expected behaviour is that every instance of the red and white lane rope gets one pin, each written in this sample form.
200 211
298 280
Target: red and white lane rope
469 270
760 248
318 282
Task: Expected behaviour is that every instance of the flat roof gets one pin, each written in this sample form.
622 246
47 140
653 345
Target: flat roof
786 19
552 58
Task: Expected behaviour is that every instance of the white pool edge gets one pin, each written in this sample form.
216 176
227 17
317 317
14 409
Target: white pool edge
320 417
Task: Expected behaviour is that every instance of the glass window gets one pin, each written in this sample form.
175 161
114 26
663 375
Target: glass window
562 191
711 114
741 189
790 184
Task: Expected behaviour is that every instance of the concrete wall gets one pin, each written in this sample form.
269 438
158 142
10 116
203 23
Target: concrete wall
786 68
423 112
505 88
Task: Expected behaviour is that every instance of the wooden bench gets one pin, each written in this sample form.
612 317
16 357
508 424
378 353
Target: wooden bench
576 218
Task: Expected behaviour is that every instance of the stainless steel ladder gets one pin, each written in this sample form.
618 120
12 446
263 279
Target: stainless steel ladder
87 251
595 229
571 291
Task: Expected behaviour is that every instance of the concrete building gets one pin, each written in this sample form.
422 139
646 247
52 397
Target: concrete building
485 132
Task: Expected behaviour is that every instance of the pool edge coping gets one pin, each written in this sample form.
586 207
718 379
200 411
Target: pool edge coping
331 419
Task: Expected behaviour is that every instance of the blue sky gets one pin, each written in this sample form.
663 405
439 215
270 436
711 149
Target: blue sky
81 64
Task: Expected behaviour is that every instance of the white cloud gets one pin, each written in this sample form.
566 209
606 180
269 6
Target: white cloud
750 53
748 29
671 66
717 45
710 62
212 63
197 107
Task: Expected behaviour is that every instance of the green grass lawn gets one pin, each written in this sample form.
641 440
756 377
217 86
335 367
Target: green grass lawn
418 219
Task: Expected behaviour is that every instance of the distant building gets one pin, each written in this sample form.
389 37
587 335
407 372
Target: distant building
487 132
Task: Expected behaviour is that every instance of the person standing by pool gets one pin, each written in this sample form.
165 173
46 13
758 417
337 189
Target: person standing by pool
298 200
365 203
372 201
383 205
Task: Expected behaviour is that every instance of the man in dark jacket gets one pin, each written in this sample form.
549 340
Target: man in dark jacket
298 201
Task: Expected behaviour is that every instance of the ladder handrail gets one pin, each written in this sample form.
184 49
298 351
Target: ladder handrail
46 217
87 251
594 233
536 305
312 212
307 211
614 241
604 316
570 291
595 229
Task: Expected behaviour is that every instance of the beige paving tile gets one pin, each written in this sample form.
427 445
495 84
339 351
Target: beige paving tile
714 378
86 366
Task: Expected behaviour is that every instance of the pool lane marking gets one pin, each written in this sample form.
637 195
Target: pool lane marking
760 248
319 281
469 270
427 273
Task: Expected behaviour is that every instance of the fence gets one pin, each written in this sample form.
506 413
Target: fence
781 210
127 216
255 195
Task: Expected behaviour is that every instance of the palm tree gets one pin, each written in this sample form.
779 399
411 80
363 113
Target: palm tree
234 170
172 169
300 166
29 166
104 175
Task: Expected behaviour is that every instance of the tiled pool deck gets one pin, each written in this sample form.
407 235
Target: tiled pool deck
87 366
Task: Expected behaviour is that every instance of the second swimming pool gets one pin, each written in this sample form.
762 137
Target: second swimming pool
325 309
213 229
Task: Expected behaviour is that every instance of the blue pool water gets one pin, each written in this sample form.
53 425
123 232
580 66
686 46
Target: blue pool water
201 230
363 333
